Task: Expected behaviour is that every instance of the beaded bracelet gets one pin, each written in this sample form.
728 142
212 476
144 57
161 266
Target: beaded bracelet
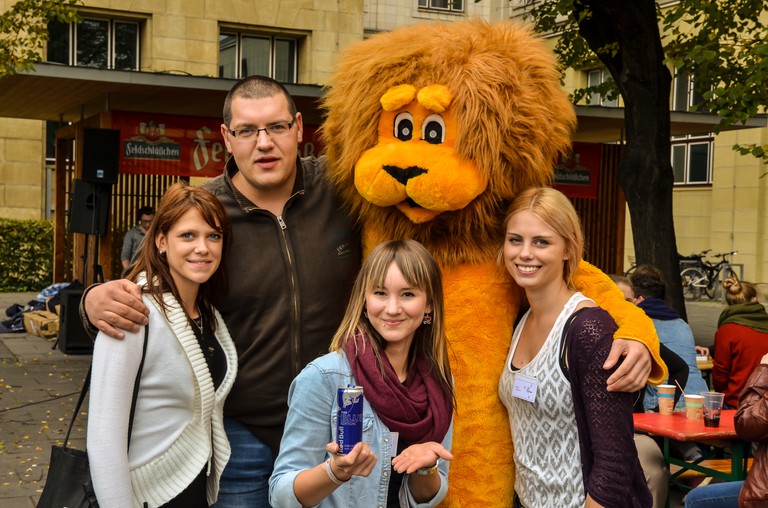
332 476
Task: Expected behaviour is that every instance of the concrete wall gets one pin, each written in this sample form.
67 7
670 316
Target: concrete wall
22 169
384 15
183 35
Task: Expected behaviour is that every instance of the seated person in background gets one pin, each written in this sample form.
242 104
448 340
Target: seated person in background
751 425
648 285
625 286
678 369
674 333
135 236
740 341
648 450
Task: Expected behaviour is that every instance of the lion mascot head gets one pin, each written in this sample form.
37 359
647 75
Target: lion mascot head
432 129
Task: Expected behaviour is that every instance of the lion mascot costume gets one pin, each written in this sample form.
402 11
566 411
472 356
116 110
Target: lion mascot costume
431 130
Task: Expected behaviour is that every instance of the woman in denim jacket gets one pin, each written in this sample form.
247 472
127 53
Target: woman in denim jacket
392 343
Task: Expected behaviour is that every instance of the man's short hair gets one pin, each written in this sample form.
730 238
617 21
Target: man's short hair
256 87
648 282
144 210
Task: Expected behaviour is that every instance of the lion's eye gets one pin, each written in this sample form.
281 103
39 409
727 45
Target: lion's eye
403 126
433 129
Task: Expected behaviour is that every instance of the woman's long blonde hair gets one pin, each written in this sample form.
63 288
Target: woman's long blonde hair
421 270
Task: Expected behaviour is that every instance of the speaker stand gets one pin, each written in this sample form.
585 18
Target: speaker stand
98 270
85 260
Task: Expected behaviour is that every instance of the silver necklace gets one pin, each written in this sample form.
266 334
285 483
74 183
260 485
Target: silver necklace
198 325
207 349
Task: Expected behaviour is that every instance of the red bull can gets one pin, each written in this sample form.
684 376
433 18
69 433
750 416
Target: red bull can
349 423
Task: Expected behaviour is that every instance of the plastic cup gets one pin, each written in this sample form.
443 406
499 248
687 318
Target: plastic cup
693 406
713 404
666 399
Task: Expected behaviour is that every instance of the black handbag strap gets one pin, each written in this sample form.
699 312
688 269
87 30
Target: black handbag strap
136 384
564 340
87 384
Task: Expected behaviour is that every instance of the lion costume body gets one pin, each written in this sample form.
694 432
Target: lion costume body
431 131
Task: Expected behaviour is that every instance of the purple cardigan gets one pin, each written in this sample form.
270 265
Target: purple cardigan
611 470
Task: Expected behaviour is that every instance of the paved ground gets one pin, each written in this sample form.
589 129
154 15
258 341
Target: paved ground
38 391
39 388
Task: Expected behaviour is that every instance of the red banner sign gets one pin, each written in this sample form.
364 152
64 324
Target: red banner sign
179 145
577 174
169 144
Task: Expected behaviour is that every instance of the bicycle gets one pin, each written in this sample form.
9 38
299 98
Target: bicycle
632 267
700 276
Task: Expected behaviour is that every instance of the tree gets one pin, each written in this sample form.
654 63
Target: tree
24 29
700 37
725 46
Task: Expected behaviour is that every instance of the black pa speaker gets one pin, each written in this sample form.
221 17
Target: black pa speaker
101 155
89 208
73 340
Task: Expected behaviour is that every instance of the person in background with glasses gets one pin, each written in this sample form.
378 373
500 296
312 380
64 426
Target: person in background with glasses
294 258
133 238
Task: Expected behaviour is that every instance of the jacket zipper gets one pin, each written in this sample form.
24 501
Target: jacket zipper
295 347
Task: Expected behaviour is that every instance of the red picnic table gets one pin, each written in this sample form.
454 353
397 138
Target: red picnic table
680 428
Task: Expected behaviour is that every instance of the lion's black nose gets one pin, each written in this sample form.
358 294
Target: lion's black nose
403 175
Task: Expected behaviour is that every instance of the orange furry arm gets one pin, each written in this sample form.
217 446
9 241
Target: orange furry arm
632 321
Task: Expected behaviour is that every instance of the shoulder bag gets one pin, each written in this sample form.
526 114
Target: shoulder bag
68 483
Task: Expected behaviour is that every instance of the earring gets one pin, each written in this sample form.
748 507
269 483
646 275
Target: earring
427 319
161 252
365 314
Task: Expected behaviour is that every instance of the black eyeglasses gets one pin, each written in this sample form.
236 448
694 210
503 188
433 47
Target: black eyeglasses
275 130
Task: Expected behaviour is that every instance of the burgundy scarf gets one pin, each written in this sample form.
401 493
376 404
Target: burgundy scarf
419 409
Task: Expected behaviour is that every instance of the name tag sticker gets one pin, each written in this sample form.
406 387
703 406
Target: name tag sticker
393 438
525 387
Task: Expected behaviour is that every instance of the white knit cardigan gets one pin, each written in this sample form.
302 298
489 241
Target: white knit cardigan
203 440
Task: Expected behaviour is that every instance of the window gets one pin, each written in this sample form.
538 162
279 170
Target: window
594 78
692 160
443 5
95 42
684 97
691 155
242 55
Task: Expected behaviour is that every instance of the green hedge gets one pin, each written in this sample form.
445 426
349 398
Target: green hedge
26 254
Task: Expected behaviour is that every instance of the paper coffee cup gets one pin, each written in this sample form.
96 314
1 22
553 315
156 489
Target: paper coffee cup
666 399
693 406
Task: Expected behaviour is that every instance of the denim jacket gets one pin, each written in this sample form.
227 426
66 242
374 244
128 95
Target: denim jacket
677 336
311 424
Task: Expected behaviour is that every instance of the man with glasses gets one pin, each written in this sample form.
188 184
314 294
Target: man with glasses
292 263
133 238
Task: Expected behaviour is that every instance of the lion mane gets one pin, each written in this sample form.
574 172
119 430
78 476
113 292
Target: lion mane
514 120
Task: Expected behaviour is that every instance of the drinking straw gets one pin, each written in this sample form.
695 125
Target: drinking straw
681 388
